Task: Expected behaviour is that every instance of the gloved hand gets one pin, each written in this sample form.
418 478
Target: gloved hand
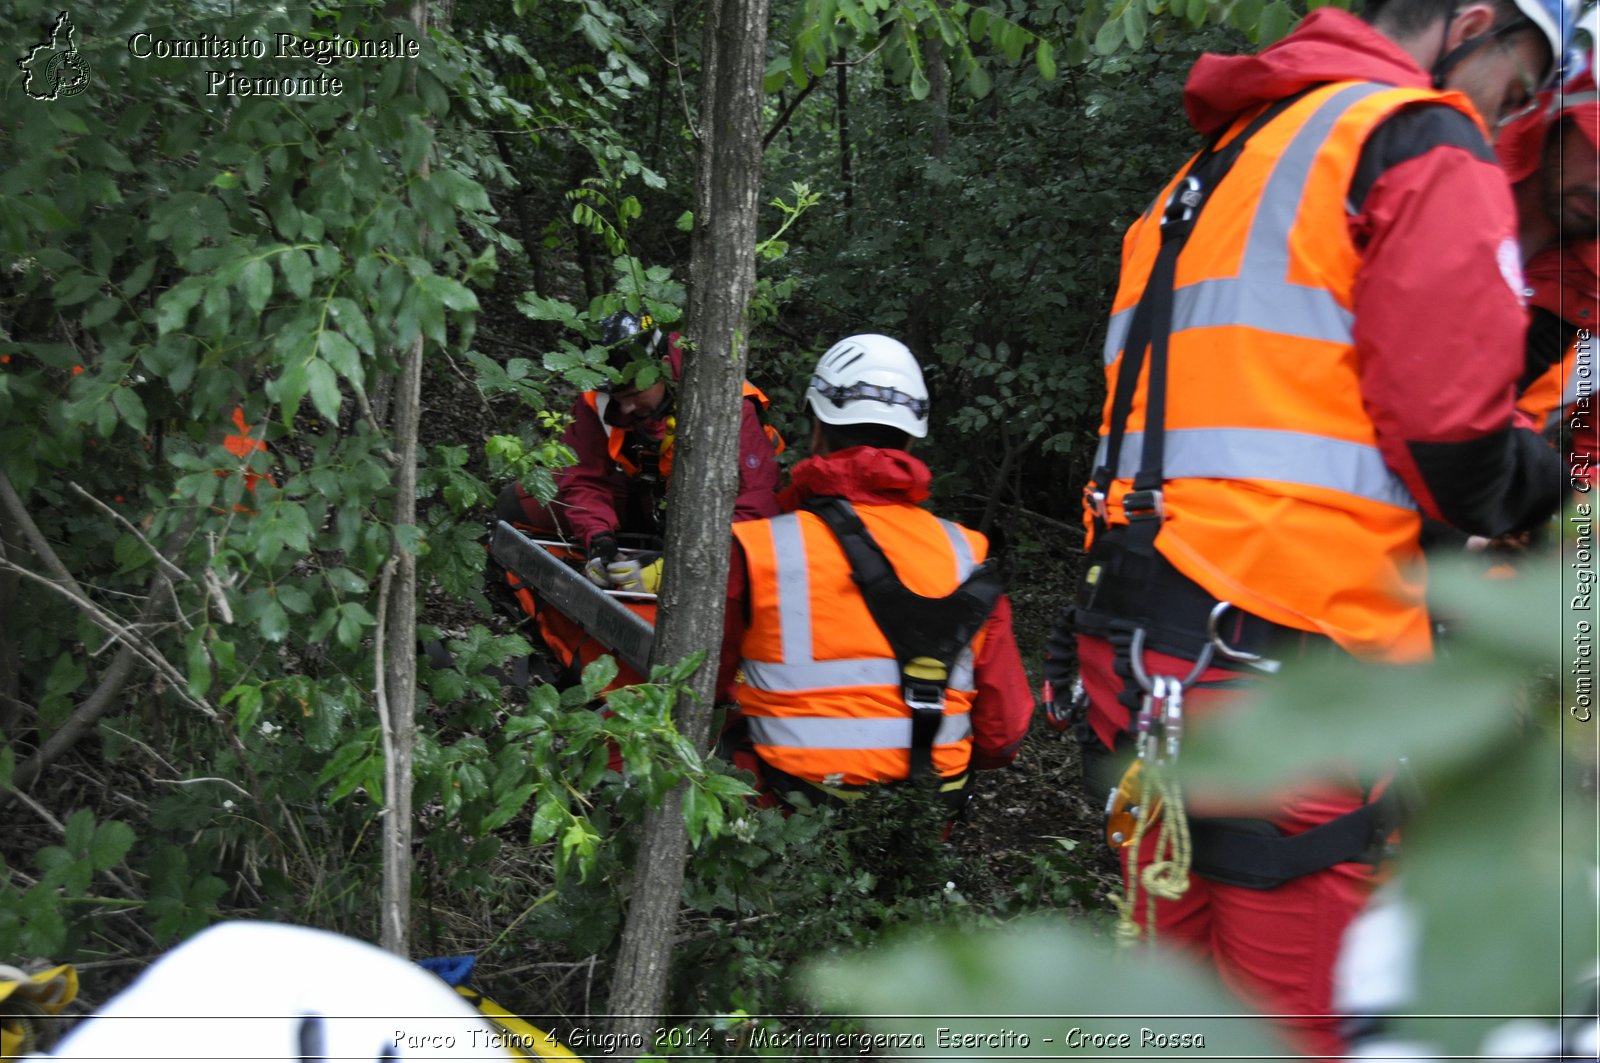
602 552
635 575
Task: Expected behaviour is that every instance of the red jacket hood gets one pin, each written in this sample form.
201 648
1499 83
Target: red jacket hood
1328 45
866 475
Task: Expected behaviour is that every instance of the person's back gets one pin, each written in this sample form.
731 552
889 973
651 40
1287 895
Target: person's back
861 623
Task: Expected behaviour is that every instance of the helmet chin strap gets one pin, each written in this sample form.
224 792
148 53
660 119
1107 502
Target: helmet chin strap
1448 61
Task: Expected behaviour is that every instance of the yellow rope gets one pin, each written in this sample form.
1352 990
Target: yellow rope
1166 877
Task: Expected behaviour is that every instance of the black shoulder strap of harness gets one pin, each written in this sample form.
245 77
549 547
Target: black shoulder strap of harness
926 634
1149 330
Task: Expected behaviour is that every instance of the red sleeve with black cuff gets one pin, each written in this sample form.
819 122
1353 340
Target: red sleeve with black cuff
758 468
586 491
1439 324
1004 702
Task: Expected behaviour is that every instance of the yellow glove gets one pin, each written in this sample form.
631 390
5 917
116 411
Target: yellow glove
634 575
27 997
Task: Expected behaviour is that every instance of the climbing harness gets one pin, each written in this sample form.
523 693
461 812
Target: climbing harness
926 634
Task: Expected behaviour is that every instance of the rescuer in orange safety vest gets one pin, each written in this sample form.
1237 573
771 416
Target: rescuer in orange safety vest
622 436
1313 345
871 640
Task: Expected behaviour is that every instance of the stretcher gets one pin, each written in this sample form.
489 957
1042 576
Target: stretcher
576 620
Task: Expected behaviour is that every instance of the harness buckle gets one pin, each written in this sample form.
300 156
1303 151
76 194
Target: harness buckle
1144 505
1184 202
923 696
1096 501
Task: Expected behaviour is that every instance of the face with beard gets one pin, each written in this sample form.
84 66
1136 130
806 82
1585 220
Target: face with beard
632 407
1570 182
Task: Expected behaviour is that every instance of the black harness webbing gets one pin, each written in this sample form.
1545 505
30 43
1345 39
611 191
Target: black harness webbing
1253 853
926 634
1149 331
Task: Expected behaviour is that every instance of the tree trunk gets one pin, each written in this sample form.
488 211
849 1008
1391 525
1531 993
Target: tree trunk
397 643
705 474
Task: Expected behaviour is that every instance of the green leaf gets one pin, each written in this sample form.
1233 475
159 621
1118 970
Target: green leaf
137 281
341 354
978 28
507 808
112 840
354 619
199 662
598 675
1276 22
919 84
297 273
1246 15
172 308
547 819
226 179
323 384
695 802
978 82
79 832
685 222
255 284
273 622
1135 21
131 408
1110 37
68 121
1045 57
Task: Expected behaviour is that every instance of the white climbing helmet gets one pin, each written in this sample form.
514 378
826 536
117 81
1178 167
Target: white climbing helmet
870 379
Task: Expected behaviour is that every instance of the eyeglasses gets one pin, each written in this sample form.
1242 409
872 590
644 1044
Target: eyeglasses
1531 86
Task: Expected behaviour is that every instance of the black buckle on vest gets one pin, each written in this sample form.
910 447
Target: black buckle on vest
1184 203
923 695
1144 505
925 699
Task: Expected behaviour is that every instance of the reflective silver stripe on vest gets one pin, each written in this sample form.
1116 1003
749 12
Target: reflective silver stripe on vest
789 677
819 732
1285 309
1260 296
794 588
799 670
1270 454
961 548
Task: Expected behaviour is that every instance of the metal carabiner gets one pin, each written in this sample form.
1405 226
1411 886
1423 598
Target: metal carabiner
1255 660
1136 662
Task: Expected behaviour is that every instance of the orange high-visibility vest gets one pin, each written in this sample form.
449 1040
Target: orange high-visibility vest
821 688
1559 387
598 401
1277 497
